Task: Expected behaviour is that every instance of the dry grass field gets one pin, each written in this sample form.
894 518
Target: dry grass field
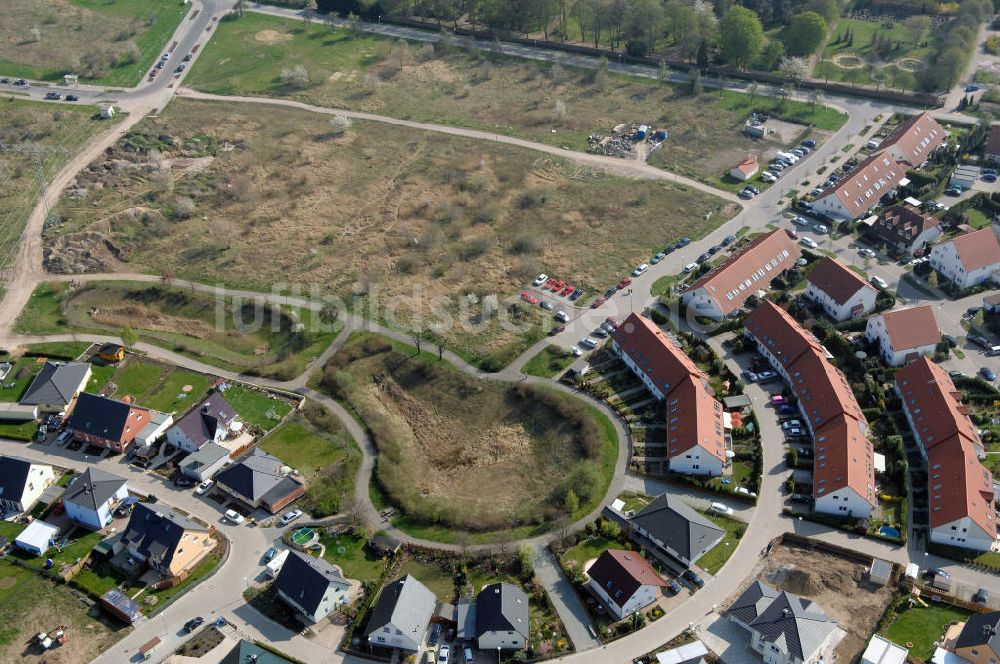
54 134
412 221
459 451
109 42
554 104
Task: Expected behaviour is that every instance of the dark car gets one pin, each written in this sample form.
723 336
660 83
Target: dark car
704 257
809 143
673 586
576 294
728 240
989 177
683 242
787 409
558 329
988 374
803 205
185 482
746 194
193 624
982 596
691 576
53 95
716 249
20 81
72 98
798 498
435 634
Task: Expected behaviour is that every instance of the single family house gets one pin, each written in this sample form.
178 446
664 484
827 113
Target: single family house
22 483
502 620
624 581
57 386
839 290
312 586
401 615
107 423
968 260
904 335
211 421
675 529
91 497
260 480
167 542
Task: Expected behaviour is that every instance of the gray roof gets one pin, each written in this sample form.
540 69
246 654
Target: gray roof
92 489
204 457
465 616
99 416
305 579
13 476
502 607
406 604
57 382
793 624
155 531
254 476
156 420
752 602
245 652
201 422
673 522
980 629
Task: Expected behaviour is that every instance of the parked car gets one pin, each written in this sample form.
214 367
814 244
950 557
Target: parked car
20 81
953 191
972 87
791 424
798 498
809 143
443 653
181 67
657 258
558 329
704 257
778 399
728 240
750 376
683 242
765 376
185 482
548 306
745 194
795 432
786 409
598 302
988 374
989 177
290 516
53 95
879 282
576 294
673 586
866 252
640 269
625 283
72 98
588 343
561 316
576 351
235 517
600 333
270 554
808 242
690 267
979 340
63 437
820 228
767 176
540 279
693 577
204 487
804 205
467 653
720 508
982 596
800 221
193 624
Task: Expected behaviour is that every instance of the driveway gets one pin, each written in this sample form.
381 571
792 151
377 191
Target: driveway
565 599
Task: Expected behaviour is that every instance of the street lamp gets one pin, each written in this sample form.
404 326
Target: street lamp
498 654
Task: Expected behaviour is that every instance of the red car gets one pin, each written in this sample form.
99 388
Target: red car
529 298
548 284
624 283
567 290
556 330
610 320
598 302
557 286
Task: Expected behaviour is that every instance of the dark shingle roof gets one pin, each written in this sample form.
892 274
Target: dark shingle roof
13 476
99 416
981 629
792 624
57 382
502 607
752 602
250 653
405 603
305 579
92 489
201 422
253 477
155 531
684 530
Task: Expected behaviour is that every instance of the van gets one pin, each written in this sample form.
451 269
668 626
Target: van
234 516
690 267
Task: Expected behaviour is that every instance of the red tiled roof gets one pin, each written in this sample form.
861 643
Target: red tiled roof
699 415
748 165
977 249
837 280
751 269
777 330
825 398
865 185
915 138
626 571
935 404
911 328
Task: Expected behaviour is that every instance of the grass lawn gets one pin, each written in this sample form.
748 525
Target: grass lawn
664 284
42 314
549 361
858 70
355 561
742 476
59 350
255 407
47 126
713 561
437 580
482 219
300 447
256 338
137 377
100 375
922 626
170 397
198 574
18 430
18 385
590 549
105 42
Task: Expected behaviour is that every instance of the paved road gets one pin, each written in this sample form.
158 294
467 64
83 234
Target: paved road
565 599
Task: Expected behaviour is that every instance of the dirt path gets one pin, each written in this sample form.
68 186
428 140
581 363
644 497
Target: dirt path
621 167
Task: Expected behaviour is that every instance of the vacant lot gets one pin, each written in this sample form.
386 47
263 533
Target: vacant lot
396 222
103 41
251 337
469 453
30 604
839 586
52 134
548 103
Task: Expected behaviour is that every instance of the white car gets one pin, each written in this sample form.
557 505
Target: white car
800 221
820 228
588 343
562 316
235 517
204 487
879 282
690 267
719 508
808 242
576 351
767 177
290 516
640 270
540 279
443 653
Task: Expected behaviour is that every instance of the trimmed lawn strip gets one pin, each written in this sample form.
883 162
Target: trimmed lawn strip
356 561
548 362
256 408
922 626
716 558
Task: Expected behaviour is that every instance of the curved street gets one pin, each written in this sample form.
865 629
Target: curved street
221 594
